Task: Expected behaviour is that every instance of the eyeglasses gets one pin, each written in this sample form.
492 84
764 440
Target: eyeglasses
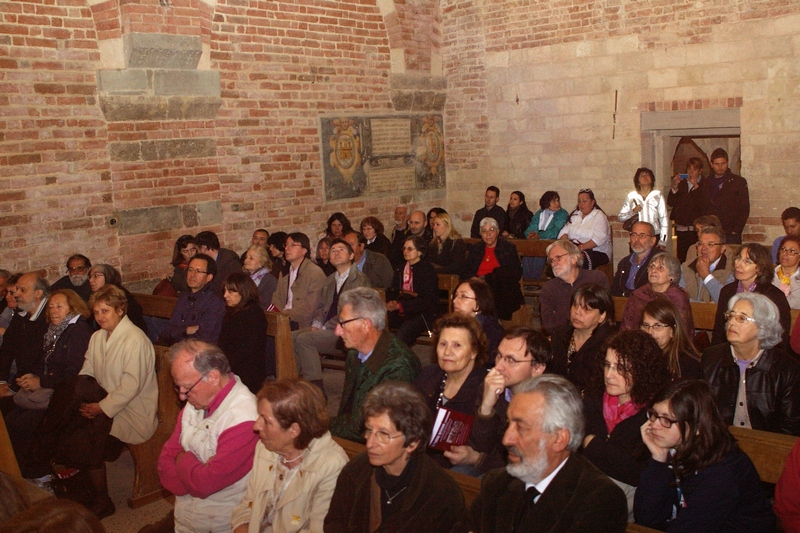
555 258
640 235
97 275
790 251
665 422
463 296
187 391
510 361
654 266
707 244
343 322
192 270
76 270
409 249
622 370
489 230
381 436
738 318
745 260
657 327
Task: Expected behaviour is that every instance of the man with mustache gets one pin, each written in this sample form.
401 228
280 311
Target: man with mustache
632 270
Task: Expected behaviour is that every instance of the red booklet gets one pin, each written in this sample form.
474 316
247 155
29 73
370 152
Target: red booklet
451 428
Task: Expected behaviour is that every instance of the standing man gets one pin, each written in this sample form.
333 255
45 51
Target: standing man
704 277
791 226
259 238
77 278
320 337
632 270
546 485
299 291
227 261
374 265
206 462
198 313
726 195
375 355
490 209
566 260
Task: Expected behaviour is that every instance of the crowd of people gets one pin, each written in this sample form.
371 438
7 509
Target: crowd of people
587 424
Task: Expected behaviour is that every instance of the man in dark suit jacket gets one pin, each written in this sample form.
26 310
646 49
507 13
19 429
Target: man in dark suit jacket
726 195
227 260
632 269
546 487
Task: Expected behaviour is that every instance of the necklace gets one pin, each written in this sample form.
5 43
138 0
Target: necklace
390 498
286 462
442 398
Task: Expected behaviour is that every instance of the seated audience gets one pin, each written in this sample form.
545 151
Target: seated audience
759 387
547 485
754 272
377 242
374 356
432 212
686 203
7 297
697 479
296 466
545 224
523 353
257 265
323 256
446 250
791 226
259 238
474 298
65 343
663 275
633 371
787 275
496 262
589 230
454 382
300 288
102 275
518 217
227 260
394 486
632 270
4 275
712 268
77 278
490 210
787 492
206 462
662 320
577 347
337 225
413 298
276 246
701 223
418 225
183 251
375 266
321 338
647 203
53 515
198 313
243 337
554 302
399 232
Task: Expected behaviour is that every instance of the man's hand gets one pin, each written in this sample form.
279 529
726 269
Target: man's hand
29 382
191 330
493 386
463 455
703 266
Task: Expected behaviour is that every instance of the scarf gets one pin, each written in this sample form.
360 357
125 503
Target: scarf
408 278
741 288
54 332
615 412
544 218
785 280
258 275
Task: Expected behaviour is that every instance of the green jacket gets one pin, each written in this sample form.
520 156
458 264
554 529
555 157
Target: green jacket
391 360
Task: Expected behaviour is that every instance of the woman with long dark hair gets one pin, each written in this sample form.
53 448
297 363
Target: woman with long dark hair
183 251
589 229
662 321
518 216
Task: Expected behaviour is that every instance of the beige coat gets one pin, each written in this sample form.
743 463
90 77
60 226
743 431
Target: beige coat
124 365
303 506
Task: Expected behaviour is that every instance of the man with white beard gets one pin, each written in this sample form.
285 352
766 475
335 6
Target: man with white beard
546 486
77 278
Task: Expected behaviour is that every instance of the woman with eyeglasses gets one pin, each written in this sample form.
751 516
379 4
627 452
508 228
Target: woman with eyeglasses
633 371
755 383
474 298
787 275
577 347
589 229
662 321
647 202
446 249
753 273
373 231
454 383
394 486
697 478
102 275
663 276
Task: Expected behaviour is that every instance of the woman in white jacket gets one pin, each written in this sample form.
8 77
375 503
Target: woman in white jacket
648 203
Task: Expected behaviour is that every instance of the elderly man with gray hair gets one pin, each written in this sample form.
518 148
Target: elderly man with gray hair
206 462
566 261
375 355
497 262
546 486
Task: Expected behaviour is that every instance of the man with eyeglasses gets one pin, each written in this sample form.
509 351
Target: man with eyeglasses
309 343
374 355
704 277
523 353
77 277
298 292
566 261
207 461
632 270
490 209
198 313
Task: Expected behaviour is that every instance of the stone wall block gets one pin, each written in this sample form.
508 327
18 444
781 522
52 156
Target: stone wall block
124 151
189 216
148 220
183 108
133 108
186 82
161 51
128 81
209 213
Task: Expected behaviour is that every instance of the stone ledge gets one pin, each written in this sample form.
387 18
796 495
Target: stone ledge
167 218
120 108
162 150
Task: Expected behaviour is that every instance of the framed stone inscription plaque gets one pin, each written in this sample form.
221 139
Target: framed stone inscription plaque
362 156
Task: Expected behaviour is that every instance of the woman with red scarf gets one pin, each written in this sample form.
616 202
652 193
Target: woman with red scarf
633 371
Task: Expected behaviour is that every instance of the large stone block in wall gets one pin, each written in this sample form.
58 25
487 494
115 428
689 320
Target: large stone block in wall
413 92
168 218
133 108
157 50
